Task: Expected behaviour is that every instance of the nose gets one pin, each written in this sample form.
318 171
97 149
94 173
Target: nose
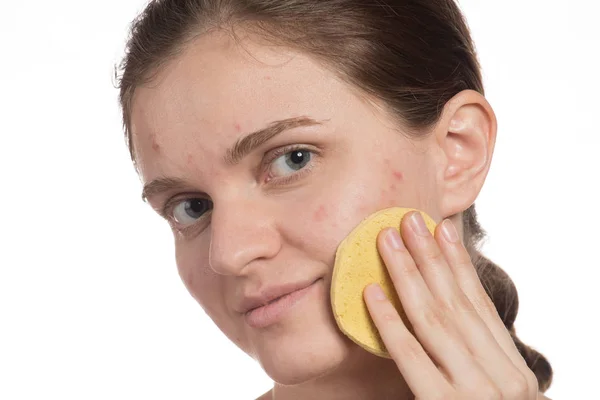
241 232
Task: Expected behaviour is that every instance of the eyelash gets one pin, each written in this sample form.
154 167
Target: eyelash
167 213
275 154
169 206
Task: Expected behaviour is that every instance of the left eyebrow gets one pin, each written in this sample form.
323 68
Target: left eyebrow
245 145
234 155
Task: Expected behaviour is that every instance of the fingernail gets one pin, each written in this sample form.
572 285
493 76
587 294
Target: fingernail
393 239
376 292
418 224
449 231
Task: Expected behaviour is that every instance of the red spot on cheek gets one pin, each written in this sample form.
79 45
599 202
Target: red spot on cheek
383 194
320 214
189 159
398 175
238 128
268 77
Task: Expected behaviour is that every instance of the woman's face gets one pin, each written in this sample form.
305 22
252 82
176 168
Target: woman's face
276 210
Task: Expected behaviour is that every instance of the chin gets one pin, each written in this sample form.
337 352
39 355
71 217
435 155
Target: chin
309 349
304 361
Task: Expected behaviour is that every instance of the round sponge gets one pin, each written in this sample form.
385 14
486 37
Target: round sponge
358 264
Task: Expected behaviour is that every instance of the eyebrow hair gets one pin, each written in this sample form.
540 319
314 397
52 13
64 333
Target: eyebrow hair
248 143
235 154
161 185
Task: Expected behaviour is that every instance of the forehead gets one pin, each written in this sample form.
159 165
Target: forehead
217 90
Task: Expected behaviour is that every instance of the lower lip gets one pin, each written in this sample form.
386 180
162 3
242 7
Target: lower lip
264 316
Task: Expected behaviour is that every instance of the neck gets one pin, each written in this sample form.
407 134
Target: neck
362 377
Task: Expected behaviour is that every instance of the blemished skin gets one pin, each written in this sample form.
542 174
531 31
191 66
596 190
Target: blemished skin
273 218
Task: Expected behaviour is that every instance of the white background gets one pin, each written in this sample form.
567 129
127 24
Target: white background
91 306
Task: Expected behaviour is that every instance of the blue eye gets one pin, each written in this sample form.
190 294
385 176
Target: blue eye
291 162
188 211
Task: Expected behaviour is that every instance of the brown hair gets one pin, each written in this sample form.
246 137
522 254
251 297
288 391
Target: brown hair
411 55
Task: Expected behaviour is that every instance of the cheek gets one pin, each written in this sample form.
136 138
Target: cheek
209 290
199 279
394 183
398 175
320 214
326 220
312 229
389 191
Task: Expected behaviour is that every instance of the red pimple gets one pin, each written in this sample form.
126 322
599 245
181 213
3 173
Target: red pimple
189 159
238 128
268 77
398 175
155 146
320 214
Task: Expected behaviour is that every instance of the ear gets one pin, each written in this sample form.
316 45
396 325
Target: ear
466 135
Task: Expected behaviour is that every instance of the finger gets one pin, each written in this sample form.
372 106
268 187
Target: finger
435 330
420 373
468 281
435 267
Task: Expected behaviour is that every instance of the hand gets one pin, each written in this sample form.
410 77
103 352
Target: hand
462 349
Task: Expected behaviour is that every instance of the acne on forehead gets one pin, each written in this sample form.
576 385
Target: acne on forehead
155 145
241 116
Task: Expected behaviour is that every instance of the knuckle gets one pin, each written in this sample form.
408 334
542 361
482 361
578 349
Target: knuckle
517 386
532 382
455 304
463 259
484 305
481 389
389 316
409 348
445 395
434 317
406 271
434 255
464 269
487 393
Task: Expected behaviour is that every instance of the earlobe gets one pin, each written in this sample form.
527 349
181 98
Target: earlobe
467 136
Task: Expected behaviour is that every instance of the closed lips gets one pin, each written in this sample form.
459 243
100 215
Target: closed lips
270 294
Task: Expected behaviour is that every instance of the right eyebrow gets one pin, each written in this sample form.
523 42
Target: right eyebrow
161 185
251 141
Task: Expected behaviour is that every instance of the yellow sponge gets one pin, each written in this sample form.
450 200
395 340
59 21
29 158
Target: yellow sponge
358 264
